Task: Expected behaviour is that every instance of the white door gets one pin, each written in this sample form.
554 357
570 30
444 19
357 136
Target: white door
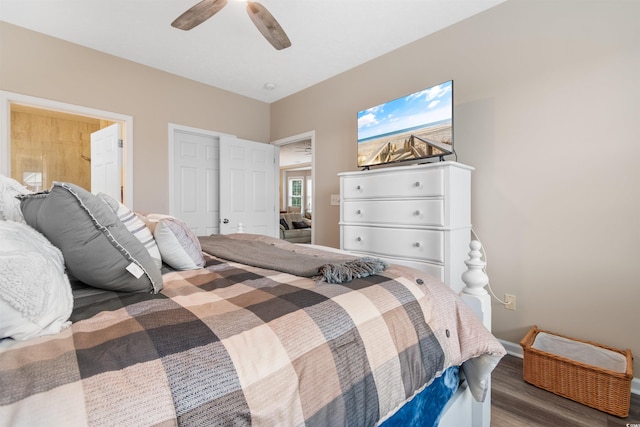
195 181
106 162
248 182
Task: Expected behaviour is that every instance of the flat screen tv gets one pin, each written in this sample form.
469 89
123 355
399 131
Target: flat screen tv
414 127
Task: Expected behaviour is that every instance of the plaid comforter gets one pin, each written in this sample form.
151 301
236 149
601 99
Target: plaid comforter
238 345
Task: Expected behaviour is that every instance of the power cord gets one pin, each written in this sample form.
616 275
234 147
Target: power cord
486 262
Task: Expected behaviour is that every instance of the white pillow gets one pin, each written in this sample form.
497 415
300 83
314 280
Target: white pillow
9 205
135 225
179 246
35 294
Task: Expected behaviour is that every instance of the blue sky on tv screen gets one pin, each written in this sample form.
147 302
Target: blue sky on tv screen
422 108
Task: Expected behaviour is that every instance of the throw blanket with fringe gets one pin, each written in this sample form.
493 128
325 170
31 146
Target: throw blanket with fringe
288 258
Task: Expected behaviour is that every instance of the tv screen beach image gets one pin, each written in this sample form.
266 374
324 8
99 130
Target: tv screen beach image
416 126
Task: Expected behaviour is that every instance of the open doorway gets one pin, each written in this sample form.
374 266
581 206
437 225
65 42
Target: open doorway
296 184
30 126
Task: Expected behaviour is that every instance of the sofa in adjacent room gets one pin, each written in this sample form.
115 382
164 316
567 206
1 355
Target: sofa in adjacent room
295 228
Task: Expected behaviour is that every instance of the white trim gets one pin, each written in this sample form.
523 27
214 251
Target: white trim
301 137
516 350
6 98
512 348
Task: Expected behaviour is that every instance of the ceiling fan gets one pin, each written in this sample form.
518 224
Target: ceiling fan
303 147
262 19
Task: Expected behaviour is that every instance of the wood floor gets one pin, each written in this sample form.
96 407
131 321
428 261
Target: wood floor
516 403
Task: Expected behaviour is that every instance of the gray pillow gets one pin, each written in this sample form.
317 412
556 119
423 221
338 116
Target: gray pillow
97 247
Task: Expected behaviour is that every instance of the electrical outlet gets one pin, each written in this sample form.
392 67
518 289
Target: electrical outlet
335 200
510 302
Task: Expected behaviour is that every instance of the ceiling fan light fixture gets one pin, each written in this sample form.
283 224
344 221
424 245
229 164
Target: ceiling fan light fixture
267 25
260 16
197 14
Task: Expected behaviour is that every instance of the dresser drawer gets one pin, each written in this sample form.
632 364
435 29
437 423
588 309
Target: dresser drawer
429 212
419 183
399 243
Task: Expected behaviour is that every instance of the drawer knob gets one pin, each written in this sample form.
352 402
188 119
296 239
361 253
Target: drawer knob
418 212
418 184
359 212
358 239
417 244
358 187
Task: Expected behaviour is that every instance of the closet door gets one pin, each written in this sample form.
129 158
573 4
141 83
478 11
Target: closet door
195 189
219 184
248 182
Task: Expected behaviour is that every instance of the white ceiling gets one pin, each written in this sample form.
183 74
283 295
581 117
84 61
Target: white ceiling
296 154
328 36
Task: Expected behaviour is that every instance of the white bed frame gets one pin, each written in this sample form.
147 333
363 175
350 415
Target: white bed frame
462 409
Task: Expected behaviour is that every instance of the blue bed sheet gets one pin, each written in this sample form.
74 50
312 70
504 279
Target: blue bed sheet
426 407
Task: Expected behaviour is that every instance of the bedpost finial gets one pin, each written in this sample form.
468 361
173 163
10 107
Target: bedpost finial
475 278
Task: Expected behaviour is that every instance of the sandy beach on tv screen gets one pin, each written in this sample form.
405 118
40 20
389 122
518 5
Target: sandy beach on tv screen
368 151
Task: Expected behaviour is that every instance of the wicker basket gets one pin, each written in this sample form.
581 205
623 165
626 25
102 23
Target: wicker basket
603 389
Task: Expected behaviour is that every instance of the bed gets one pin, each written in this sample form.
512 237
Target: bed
196 337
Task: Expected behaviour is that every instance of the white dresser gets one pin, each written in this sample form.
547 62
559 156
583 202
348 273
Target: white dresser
418 215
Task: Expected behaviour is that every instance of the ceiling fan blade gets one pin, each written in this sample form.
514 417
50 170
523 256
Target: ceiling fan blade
198 14
267 25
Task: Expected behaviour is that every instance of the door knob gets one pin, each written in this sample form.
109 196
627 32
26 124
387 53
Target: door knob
225 221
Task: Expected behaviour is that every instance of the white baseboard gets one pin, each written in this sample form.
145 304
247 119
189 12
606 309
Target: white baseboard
515 350
512 348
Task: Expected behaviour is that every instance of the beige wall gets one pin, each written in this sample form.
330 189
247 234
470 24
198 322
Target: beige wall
547 109
45 67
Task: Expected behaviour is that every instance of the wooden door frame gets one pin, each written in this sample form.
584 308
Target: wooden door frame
8 98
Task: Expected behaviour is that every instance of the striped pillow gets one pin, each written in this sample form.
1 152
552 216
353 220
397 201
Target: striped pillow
135 225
